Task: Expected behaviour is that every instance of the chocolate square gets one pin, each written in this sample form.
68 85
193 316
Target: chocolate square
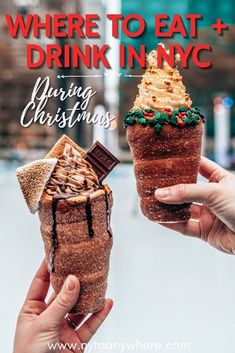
101 160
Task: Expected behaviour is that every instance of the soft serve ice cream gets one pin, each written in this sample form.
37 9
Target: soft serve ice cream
161 88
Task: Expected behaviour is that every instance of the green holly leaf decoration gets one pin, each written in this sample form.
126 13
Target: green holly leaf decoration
189 113
142 121
187 121
157 115
191 118
139 113
153 122
158 128
173 120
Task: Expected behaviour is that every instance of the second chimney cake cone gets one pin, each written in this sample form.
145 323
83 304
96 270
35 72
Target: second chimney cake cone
164 134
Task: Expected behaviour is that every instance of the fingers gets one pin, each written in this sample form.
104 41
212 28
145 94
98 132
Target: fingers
191 228
40 284
75 320
196 211
63 302
52 298
212 171
91 325
186 193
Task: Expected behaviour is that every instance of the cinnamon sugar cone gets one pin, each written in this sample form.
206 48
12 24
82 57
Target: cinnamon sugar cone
160 160
78 240
74 209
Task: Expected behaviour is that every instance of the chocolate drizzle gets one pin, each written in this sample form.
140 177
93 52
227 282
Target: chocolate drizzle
54 242
107 212
53 237
89 217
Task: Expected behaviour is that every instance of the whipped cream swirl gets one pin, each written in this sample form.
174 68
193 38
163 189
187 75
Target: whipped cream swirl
161 88
72 175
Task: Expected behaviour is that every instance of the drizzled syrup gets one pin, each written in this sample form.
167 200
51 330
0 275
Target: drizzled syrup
89 217
107 212
54 242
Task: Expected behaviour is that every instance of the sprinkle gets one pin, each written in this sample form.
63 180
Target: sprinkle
181 117
139 113
180 122
142 121
129 121
189 113
157 115
186 121
173 120
158 128
153 122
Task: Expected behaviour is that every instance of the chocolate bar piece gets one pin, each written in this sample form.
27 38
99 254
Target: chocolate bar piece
101 159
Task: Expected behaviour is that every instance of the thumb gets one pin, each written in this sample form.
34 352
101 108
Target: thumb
186 193
64 301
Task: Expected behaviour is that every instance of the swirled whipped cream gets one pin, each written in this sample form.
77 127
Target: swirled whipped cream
72 175
161 88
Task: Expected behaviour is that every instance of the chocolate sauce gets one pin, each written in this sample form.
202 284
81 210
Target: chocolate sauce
54 242
53 236
107 212
64 196
89 217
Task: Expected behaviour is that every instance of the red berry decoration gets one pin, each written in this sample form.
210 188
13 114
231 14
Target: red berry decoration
180 122
148 115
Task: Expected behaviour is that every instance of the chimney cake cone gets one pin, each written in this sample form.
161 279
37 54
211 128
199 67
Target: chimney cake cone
74 211
164 134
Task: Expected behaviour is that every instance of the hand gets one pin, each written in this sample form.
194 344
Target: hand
213 220
42 324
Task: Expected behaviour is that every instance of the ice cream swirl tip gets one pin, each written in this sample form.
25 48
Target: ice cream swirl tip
161 88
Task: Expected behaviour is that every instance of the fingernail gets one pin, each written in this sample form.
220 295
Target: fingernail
162 193
69 284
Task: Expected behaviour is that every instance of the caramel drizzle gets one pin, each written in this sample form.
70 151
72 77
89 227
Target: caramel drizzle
72 174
